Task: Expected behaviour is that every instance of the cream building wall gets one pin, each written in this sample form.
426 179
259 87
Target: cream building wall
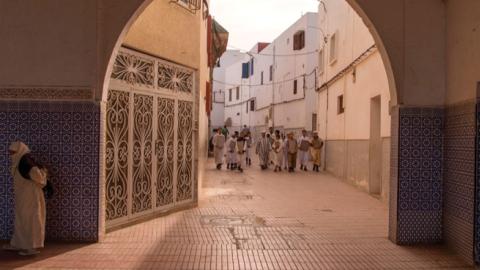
348 152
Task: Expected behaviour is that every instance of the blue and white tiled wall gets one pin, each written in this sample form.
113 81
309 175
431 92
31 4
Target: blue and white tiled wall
419 171
435 177
65 137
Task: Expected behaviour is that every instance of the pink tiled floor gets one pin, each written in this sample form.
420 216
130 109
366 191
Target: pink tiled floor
255 220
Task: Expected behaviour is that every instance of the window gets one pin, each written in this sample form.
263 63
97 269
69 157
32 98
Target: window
238 93
321 61
333 48
295 88
245 70
271 73
299 40
252 105
230 94
261 78
340 105
314 122
247 106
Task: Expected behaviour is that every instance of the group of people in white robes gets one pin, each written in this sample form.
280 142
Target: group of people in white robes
287 149
271 148
236 149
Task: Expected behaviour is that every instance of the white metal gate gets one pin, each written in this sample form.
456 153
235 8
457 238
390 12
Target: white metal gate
150 137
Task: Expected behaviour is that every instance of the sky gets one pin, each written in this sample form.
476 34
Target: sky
252 21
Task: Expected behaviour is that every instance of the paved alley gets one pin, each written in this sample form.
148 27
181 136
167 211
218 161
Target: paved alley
254 220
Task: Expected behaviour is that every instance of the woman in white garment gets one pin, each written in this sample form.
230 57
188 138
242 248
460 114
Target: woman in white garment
30 212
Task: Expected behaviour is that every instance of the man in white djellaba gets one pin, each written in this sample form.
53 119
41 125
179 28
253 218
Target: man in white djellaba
303 147
218 145
30 210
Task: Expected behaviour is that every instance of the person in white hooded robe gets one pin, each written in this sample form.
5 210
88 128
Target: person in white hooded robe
30 210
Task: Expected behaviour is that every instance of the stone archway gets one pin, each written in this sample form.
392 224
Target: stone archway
56 64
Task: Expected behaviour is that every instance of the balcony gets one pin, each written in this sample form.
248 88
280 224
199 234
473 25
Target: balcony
190 5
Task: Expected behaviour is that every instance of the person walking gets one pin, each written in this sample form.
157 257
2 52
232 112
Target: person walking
30 211
263 150
231 153
285 152
241 146
316 149
248 154
218 142
225 131
292 148
304 146
278 150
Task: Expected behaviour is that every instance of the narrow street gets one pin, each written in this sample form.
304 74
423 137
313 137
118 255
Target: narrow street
254 220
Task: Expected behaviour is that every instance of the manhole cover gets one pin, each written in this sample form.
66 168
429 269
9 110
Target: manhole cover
231 220
327 210
235 182
237 197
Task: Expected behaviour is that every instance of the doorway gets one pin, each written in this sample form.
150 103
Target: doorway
375 151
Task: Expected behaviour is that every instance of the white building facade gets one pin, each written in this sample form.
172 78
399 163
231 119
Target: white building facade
217 116
273 85
353 100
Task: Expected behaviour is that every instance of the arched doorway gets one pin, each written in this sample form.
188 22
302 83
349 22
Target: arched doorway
117 50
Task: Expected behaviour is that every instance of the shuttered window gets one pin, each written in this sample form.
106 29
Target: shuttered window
299 40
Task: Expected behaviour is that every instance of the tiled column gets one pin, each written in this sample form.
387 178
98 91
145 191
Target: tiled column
417 171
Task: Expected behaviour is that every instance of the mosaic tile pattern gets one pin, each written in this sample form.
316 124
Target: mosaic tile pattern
459 178
65 137
477 186
420 173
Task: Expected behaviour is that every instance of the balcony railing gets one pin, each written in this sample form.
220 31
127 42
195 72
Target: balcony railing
190 5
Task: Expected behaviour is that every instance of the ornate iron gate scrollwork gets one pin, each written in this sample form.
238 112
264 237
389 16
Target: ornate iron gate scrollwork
185 151
142 153
165 151
149 140
117 155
